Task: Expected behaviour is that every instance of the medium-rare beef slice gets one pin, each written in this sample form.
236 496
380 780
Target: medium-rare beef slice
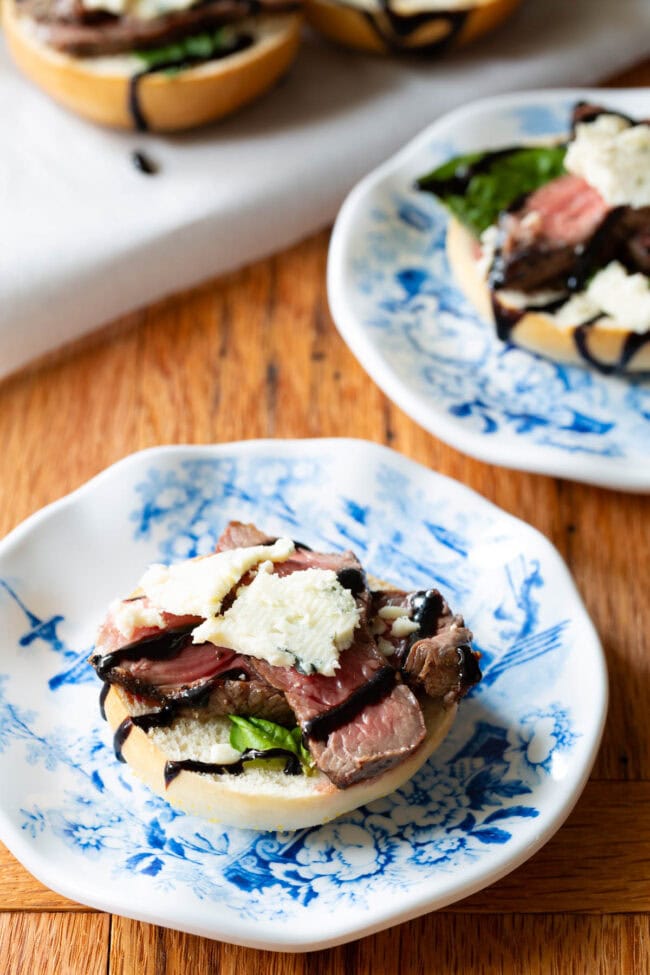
383 735
311 695
540 243
164 665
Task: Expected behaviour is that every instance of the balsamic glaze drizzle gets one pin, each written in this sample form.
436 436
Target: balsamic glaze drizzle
428 606
292 765
403 26
320 727
103 694
161 646
469 672
143 163
353 580
634 341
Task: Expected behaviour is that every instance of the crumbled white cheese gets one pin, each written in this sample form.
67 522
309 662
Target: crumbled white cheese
385 647
528 299
378 626
489 244
131 615
140 9
198 586
390 612
624 299
304 619
222 754
614 157
404 626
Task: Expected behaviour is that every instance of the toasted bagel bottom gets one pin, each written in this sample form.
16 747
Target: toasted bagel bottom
261 799
537 331
95 89
368 30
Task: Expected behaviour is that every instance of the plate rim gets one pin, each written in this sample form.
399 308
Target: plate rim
623 474
414 905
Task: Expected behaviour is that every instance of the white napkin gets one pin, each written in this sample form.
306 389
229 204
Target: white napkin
86 237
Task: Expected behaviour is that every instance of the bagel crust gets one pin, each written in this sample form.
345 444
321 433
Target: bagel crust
99 88
427 29
261 799
598 344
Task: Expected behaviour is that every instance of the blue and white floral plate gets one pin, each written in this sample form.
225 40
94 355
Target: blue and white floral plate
509 773
396 305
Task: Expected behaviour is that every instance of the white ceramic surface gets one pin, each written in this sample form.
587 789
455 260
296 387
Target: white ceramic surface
509 773
397 306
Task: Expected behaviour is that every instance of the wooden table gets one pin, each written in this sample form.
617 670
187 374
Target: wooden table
211 366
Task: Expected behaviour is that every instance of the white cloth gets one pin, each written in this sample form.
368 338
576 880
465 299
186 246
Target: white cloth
86 238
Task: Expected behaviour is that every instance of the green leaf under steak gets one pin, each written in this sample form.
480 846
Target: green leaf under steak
263 735
477 187
198 47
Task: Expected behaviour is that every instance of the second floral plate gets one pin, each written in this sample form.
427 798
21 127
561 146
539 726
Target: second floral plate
397 306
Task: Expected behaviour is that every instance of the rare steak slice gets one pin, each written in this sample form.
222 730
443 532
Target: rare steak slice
539 243
164 665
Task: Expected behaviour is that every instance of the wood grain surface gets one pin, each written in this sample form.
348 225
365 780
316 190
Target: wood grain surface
255 354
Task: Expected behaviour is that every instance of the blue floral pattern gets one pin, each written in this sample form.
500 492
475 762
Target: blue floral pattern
487 781
399 302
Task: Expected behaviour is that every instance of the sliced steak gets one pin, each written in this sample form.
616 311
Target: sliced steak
162 664
358 723
312 695
239 534
539 243
437 658
345 564
249 698
379 738
110 638
80 33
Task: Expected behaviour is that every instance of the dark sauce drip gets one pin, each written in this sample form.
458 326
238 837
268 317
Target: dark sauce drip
353 580
143 163
292 765
162 646
634 341
320 727
154 719
427 606
403 26
239 43
301 545
598 251
469 671
103 694
506 318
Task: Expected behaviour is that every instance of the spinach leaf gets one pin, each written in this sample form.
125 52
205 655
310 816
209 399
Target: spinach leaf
477 187
263 735
198 47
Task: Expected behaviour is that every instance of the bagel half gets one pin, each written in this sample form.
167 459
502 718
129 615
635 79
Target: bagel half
600 344
406 26
260 798
99 88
